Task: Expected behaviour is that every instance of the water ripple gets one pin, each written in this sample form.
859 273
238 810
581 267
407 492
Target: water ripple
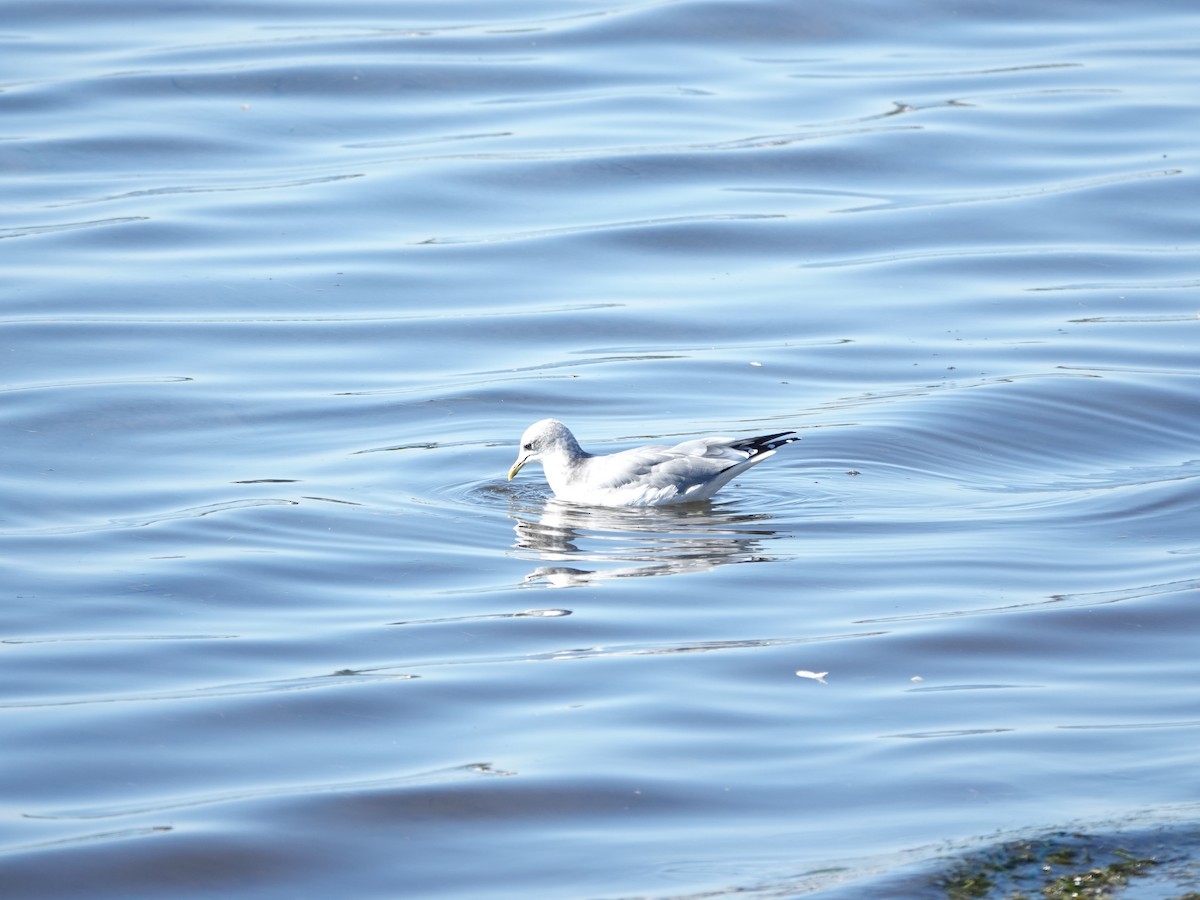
600 227
281 686
931 199
194 512
166 804
29 230
205 189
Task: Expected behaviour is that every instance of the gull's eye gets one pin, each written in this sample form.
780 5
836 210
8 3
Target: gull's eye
528 446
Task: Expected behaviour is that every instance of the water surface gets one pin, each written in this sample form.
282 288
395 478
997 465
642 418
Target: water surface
283 284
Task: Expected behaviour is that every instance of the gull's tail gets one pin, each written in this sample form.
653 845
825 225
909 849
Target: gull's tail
764 443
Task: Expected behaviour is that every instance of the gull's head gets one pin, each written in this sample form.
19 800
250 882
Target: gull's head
540 439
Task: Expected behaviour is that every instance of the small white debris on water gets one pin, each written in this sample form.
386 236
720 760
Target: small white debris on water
815 676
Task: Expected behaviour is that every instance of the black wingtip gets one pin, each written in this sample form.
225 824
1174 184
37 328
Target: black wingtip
765 442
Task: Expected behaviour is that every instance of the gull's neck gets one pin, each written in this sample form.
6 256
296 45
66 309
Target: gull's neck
563 462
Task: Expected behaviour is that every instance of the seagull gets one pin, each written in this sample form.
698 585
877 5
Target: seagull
654 475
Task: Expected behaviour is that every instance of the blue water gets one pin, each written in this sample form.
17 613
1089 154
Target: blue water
283 283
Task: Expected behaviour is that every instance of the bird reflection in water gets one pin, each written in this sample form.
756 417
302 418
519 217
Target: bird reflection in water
586 544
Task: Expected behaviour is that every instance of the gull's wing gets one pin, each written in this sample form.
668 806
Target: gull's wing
655 474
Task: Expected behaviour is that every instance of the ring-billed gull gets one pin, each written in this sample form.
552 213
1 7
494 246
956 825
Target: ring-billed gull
655 475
